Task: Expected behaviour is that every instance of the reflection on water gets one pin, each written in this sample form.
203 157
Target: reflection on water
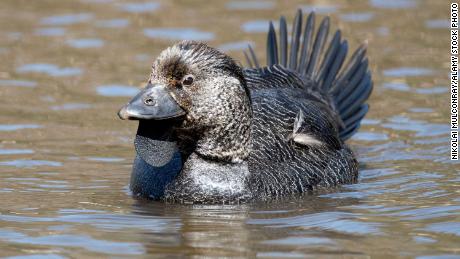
178 34
106 159
394 4
49 69
66 19
113 23
14 127
19 83
71 106
432 90
357 17
437 24
258 26
422 128
250 5
65 158
85 43
398 86
15 151
237 45
330 221
54 31
117 90
320 8
83 242
146 7
407 71
29 163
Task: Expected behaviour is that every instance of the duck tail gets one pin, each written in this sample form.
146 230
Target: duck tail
314 58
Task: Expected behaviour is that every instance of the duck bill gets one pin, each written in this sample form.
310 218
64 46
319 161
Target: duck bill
153 103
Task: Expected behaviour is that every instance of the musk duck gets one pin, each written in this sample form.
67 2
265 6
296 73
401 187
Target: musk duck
212 131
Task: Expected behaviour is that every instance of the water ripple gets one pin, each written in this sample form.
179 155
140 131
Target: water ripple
398 86
49 69
407 72
433 90
70 106
146 7
428 213
357 17
178 34
116 90
370 136
18 83
250 5
52 31
394 4
300 241
66 19
422 128
257 26
334 221
85 43
106 159
14 127
15 151
113 23
30 163
81 241
102 220
445 228
438 24
319 8
237 45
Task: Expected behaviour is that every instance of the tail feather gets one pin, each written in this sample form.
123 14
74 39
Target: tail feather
254 57
272 46
306 43
359 96
330 55
283 41
248 60
295 40
356 117
350 68
315 58
318 47
349 132
348 86
332 62
335 67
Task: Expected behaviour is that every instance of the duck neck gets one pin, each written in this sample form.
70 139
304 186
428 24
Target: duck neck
227 143
229 139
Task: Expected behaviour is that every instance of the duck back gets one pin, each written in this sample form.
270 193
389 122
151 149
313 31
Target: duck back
305 105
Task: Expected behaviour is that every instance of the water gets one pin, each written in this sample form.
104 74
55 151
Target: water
178 34
65 157
85 43
116 90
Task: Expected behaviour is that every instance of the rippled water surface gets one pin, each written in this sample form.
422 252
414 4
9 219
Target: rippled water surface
65 158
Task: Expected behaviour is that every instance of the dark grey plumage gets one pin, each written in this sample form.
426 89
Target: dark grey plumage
264 133
278 166
347 89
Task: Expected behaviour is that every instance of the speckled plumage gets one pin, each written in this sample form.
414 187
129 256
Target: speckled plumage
281 167
264 133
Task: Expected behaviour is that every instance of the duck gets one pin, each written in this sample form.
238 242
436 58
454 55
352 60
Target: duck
213 131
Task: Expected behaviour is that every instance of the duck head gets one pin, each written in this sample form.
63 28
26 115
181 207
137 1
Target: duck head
204 89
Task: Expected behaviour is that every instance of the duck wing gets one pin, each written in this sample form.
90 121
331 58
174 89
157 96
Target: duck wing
316 66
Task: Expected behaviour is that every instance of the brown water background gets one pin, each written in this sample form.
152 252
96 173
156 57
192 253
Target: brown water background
65 158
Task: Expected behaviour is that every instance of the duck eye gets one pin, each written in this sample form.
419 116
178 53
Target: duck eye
149 101
187 80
